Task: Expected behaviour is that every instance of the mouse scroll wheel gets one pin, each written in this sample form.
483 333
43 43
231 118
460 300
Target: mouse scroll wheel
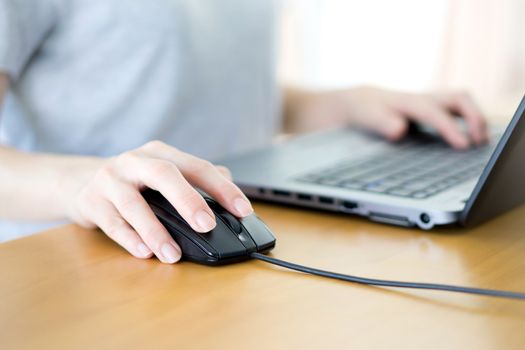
232 222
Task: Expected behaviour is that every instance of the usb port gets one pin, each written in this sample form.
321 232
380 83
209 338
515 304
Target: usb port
281 193
326 200
304 197
349 205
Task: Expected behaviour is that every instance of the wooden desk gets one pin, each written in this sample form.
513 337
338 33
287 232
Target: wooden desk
72 288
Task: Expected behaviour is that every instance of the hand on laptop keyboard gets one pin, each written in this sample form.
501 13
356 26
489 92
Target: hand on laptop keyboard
389 113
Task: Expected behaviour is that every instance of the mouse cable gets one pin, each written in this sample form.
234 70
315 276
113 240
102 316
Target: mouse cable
385 283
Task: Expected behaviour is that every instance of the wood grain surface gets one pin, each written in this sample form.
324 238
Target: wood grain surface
72 288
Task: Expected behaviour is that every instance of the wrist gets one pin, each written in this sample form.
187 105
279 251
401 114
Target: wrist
73 175
312 110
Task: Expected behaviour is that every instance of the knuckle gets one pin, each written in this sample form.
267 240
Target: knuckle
105 174
131 203
225 171
222 168
199 166
126 159
162 168
191 199
153 145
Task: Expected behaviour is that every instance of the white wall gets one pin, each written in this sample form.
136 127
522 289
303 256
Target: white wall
411 45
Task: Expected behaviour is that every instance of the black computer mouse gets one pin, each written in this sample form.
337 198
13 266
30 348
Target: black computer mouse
232 240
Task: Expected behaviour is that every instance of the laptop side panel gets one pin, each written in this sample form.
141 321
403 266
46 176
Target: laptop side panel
501 186
269 174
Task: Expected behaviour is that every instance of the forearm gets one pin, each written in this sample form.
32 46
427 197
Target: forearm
39 186
307 110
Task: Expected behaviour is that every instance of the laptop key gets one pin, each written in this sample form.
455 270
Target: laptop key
330 181
416 185
352 184
400 192
420 194
377 187
310 178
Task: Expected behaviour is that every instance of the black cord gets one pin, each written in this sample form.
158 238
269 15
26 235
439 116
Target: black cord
385 283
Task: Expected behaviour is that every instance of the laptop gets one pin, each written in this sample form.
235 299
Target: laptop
419 181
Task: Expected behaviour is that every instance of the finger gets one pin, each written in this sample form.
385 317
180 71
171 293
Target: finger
204 175
435 116
463 105
115 227
386 123
225 172
163 176
207 177
134 209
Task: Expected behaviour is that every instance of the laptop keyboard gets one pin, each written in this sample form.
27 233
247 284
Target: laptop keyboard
405 171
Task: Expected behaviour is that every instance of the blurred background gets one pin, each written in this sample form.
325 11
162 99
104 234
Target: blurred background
413 45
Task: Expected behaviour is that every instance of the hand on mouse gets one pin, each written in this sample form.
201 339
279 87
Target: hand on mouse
108 196
388 112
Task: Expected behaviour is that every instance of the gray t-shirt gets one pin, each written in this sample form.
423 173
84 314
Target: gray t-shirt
99 77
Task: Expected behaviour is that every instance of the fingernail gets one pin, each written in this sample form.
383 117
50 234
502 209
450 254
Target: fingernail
171 255
243 207
204 221
143 250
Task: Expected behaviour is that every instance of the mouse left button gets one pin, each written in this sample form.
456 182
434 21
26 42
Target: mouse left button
193 245
231 221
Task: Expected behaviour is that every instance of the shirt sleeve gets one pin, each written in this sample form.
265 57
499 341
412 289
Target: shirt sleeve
24 25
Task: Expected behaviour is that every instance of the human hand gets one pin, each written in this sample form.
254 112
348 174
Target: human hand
388 113
109 197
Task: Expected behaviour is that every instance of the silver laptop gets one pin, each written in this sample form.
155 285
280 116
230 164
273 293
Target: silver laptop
419 181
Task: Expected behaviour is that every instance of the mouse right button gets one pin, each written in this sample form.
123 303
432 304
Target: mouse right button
262 236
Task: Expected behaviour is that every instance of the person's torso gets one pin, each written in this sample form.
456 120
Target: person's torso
114 74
